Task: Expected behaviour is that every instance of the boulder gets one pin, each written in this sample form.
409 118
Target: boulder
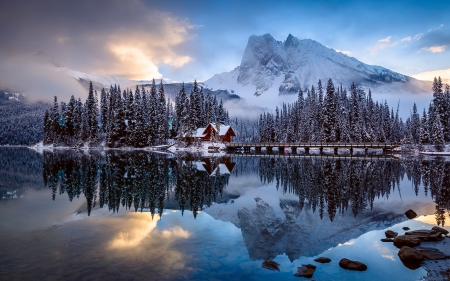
322 260
390 234
431 253
425 235
406 240
387 240
405 228
410 214
271 265
352 265
306 270
440 229
410 257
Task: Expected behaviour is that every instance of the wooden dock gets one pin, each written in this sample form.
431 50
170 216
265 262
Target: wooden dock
246 146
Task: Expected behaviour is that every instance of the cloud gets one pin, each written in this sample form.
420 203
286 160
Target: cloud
406 39
435 49
129 39
348 53
385 40
418 36
429 75
380 45
437 28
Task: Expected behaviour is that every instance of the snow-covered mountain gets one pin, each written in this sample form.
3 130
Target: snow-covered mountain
271 67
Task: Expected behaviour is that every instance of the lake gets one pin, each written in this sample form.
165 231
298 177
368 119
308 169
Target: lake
136 215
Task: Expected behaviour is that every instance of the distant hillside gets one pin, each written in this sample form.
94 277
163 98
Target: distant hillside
21 122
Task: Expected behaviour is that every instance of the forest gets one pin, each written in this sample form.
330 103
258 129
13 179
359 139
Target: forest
335 115
139 119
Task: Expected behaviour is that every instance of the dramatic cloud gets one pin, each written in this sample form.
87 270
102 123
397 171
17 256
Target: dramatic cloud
435 49
127 38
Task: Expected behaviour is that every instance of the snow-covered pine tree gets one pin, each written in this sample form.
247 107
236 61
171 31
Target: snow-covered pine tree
330 122
424 130
163 126
104 113
437 134
138 137
92 115
415 124
47 129
153 117
54 117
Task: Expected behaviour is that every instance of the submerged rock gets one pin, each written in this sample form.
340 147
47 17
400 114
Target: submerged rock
352 265
410 214
440 229
432 253
410 257
390 234
405 228
271 265
387 240
322 260
306 270
406 240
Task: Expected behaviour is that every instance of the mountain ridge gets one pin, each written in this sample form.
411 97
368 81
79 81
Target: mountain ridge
281 68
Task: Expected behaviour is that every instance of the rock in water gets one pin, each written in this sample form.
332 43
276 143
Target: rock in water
387 240
425 235
322 260
410 257
271 265
307 270
352 265
390 234
431 253
405 228
410 214
440 229
406 240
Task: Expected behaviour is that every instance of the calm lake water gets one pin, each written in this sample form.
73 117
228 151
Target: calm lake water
114 215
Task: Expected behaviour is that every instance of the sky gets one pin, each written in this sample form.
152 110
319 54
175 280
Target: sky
185 40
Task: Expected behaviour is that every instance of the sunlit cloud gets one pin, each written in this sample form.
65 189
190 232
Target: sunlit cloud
429 75
385 40
348 53
435 49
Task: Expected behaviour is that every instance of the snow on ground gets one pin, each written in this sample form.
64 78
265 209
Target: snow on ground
207 148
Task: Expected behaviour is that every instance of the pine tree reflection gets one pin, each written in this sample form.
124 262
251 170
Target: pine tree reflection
149 181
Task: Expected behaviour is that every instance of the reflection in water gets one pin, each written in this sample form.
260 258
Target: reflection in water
136 179
146 181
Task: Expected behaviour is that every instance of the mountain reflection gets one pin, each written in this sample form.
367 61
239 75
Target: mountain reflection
154 182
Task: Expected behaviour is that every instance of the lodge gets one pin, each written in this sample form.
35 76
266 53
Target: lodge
213 132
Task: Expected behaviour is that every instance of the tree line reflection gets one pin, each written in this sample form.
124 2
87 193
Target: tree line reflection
136 180
153 182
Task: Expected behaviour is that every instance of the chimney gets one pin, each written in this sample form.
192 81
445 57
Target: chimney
218 127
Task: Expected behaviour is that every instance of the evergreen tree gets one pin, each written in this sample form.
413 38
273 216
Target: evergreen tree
424 131
330 122
437 135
